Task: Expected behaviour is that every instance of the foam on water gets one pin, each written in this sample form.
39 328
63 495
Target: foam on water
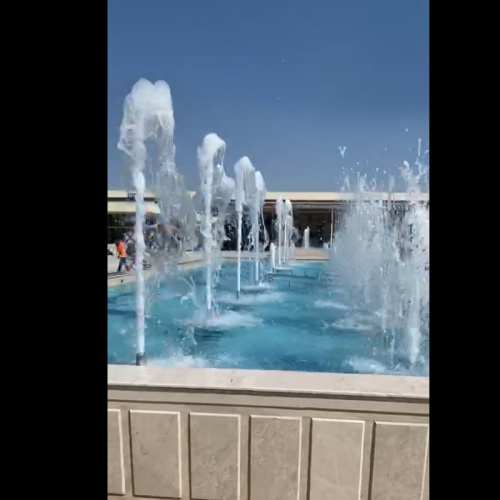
370 365
257 287
251 299
366 365
330 304
350 324
178 359
226 320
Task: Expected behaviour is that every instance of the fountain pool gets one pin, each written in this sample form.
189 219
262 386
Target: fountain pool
306 320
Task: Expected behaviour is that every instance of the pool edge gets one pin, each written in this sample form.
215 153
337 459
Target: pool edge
265 431
270 381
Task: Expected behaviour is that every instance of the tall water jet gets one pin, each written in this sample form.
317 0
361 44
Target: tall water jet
417 219
243 169
147 112
256 203
272 250
222 197
332 215
288 216
279 221
285 259
210 156
239 193
381 251
175 225
307 232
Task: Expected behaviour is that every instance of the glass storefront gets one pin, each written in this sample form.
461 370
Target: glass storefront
120 224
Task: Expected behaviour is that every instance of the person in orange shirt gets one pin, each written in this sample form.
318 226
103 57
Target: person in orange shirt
122 255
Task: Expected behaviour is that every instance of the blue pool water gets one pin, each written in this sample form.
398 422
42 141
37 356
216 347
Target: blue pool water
306 321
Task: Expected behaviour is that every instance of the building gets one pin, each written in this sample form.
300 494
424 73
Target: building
121 212
320 211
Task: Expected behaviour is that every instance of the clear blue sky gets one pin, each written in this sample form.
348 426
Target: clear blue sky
285 82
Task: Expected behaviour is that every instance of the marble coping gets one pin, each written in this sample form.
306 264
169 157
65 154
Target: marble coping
269 381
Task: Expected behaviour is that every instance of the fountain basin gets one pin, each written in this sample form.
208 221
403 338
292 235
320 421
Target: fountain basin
299 325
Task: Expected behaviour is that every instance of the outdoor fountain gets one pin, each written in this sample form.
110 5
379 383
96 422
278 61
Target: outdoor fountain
332 218
221 200
210 160
288 210
279 223
272 251
290 231
243 171
147 117
286 231
374 296
256 198
251 192
382 252
305 242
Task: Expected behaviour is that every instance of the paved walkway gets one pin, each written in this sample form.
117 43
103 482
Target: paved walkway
194 257
189 257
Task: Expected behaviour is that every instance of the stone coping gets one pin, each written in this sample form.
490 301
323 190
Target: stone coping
195 260
269 381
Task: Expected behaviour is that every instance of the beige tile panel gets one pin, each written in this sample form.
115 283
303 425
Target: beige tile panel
155 449
274 457
116 472
336 459
214 448
399 459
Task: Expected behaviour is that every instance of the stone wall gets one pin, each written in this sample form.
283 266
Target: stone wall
211 434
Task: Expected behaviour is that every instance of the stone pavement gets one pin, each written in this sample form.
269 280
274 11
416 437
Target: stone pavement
194 257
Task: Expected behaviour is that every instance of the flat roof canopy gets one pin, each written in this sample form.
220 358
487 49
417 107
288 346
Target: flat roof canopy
304 196
325 196
128 207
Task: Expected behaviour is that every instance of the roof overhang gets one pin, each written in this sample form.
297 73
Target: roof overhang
127 207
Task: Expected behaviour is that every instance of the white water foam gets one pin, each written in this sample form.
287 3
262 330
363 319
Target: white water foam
330 304
258 287
347 324
367 365
227 320
248 300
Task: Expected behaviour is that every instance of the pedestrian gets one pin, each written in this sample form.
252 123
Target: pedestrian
122 255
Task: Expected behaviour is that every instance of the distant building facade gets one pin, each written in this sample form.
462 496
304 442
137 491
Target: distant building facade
322 212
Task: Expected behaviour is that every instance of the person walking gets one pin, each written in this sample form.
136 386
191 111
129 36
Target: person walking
122 255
